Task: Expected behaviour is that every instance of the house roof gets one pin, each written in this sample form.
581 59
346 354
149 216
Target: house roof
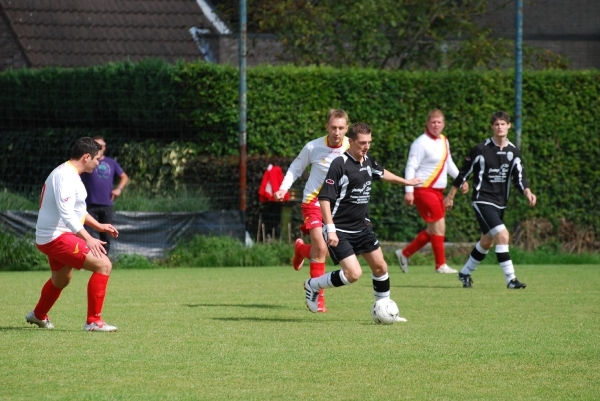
72 33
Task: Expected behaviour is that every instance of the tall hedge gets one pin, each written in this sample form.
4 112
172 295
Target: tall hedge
198 103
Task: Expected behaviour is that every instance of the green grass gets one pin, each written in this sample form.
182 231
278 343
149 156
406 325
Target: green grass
244 333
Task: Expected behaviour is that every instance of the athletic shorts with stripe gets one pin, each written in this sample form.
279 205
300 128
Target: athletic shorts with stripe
66 250
352 244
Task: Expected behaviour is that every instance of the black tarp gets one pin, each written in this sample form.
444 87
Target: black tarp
147 233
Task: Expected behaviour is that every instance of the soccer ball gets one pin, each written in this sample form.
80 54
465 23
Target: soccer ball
385 311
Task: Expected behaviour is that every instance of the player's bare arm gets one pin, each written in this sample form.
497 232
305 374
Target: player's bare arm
393 178
530 197
449 199
331 235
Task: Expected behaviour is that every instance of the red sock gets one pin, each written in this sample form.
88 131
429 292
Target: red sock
437 244
96 291
317 269
304 250
50 294
419 242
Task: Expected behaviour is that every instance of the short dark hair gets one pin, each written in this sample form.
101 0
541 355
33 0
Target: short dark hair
500 115
359 128
84 145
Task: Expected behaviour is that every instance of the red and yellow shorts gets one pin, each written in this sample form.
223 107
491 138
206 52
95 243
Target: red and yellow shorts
312 217
66 250
430 204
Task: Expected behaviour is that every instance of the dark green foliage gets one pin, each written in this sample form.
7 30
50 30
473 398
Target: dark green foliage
210 251
134 261
196 106
20 254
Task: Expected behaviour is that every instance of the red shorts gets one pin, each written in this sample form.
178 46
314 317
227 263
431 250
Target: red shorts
430 204
312 217
66 250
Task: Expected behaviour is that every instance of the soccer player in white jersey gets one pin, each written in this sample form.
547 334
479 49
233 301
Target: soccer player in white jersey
318 154
59 234
430 160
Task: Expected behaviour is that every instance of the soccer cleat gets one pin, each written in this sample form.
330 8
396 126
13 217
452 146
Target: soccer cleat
41 323
311 297
515 284
99 326
400 319
445 269
298 259
321 303
466 280
402 261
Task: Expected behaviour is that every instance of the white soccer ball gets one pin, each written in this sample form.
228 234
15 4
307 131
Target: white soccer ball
385 311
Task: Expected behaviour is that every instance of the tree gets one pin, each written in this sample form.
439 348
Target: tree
396 34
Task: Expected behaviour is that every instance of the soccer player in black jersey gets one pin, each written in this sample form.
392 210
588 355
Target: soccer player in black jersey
492 163
344 200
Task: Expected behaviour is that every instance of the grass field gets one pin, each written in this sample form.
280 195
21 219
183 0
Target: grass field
244 333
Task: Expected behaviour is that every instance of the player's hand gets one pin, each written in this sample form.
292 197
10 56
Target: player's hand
332 239
96 247
448 203
532 199
110 229
279 195
465 188
115 193
414 181
409 198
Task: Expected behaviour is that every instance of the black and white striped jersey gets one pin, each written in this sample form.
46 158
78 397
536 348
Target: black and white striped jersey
492 169
347 187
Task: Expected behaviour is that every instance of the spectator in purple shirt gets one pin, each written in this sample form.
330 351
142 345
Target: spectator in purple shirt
100 192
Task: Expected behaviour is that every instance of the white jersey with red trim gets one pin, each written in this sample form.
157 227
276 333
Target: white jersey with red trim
319 156
430 160
62 204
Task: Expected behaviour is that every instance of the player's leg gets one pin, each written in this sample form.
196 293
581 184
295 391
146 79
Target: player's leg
427 203
438 231
318 256
342 254
313 222
106 217
501 237
489 223
380 276
64 253
49 295
96 291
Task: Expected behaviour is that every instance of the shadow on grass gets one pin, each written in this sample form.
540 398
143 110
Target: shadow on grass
453 287
257 319
255 306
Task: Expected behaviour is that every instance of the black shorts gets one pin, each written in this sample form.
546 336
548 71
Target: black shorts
490 218
353 244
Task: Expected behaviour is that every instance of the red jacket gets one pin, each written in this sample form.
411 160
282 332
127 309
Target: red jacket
271 181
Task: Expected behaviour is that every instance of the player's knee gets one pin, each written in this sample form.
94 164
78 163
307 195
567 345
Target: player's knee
379 269
353 275
61 282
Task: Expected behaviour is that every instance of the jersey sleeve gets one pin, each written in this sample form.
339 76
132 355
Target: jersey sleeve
412 164
333 181
475 156
518 176
65 197
296 168
118 169
376 170
450 165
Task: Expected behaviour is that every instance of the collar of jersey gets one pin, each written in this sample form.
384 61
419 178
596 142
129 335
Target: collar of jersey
352 157
72 166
